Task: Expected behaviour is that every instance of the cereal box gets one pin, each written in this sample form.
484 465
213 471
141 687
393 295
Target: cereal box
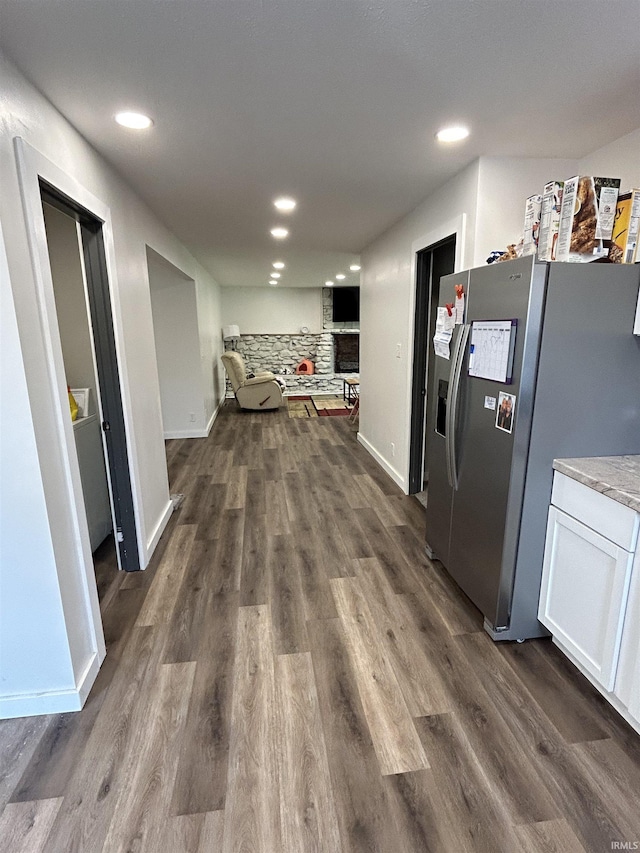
550 220
531 225
624 240
586 218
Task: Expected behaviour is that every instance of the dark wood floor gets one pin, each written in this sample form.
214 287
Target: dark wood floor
292 674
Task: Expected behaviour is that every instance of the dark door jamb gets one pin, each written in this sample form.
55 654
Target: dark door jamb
113 424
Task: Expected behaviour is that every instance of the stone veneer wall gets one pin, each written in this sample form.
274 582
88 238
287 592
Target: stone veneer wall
282 353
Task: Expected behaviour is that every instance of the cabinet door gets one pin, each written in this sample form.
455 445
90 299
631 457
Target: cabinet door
585 584
627 687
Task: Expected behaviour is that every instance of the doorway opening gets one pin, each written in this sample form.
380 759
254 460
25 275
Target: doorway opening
77 259
432 263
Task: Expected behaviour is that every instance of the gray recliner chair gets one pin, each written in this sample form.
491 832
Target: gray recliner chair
260 392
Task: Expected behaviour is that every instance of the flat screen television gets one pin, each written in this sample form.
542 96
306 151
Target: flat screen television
346 304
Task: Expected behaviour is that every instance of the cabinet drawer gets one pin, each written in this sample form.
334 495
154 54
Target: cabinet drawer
611 519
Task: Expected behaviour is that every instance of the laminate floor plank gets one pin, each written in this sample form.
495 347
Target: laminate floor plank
418 676
252 813
20 740
472 814
578 796
550 836
195 499
286 597
551 691
212 509
254 576
256 495
201 777
307 810
391 558
228 553
361 800
237 487
90 797
377 499
182 834
148 774
395 739
317 597
24 827
160 600
276 502
212 834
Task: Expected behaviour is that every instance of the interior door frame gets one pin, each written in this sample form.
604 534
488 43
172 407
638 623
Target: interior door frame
454 228
34 169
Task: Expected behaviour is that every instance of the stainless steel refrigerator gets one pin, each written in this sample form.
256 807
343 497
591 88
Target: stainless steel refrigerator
557 340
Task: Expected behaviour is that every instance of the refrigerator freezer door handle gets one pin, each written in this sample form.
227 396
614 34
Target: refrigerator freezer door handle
452 408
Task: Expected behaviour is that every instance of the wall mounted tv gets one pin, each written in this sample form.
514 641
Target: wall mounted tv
346 304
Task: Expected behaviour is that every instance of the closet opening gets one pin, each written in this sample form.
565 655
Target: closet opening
83 307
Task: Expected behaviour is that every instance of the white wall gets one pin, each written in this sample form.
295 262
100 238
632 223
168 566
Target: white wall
620 159
387 294
503 185
175 326
39 655
209 304
41 543
272 310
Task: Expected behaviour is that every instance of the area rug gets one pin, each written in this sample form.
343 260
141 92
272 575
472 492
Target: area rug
301 407
330 404
319 405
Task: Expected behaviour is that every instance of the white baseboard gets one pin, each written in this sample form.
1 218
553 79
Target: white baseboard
195 433
382 462
186 433
157 533
215 414
52 702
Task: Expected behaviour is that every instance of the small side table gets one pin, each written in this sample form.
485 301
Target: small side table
348 389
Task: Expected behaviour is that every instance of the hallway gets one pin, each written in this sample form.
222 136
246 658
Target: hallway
292 674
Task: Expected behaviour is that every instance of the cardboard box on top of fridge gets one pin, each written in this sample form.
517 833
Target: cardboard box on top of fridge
550 220
626 226
586 218
531 224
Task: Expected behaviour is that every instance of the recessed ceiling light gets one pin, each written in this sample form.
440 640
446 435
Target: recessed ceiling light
452 134
340 276
278 265
285 204
135 121
279 233
329 283
275 275
354 267
273 283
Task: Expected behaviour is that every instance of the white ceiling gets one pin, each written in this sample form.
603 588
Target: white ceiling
334 102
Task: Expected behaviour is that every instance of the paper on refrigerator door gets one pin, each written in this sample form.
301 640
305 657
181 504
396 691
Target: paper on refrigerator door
444 330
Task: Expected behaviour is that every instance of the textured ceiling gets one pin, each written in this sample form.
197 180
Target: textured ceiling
332 101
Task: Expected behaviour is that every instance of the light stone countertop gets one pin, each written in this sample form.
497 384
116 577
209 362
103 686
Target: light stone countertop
617 477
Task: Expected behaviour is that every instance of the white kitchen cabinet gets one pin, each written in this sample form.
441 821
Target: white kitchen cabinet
590 594
627 686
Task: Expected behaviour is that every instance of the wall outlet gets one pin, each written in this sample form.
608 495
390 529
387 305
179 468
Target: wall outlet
398 350
192 417
393 449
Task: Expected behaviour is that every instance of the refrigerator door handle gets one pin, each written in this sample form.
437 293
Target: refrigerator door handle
452 408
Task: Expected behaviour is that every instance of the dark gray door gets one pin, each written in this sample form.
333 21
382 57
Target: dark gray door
440 491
